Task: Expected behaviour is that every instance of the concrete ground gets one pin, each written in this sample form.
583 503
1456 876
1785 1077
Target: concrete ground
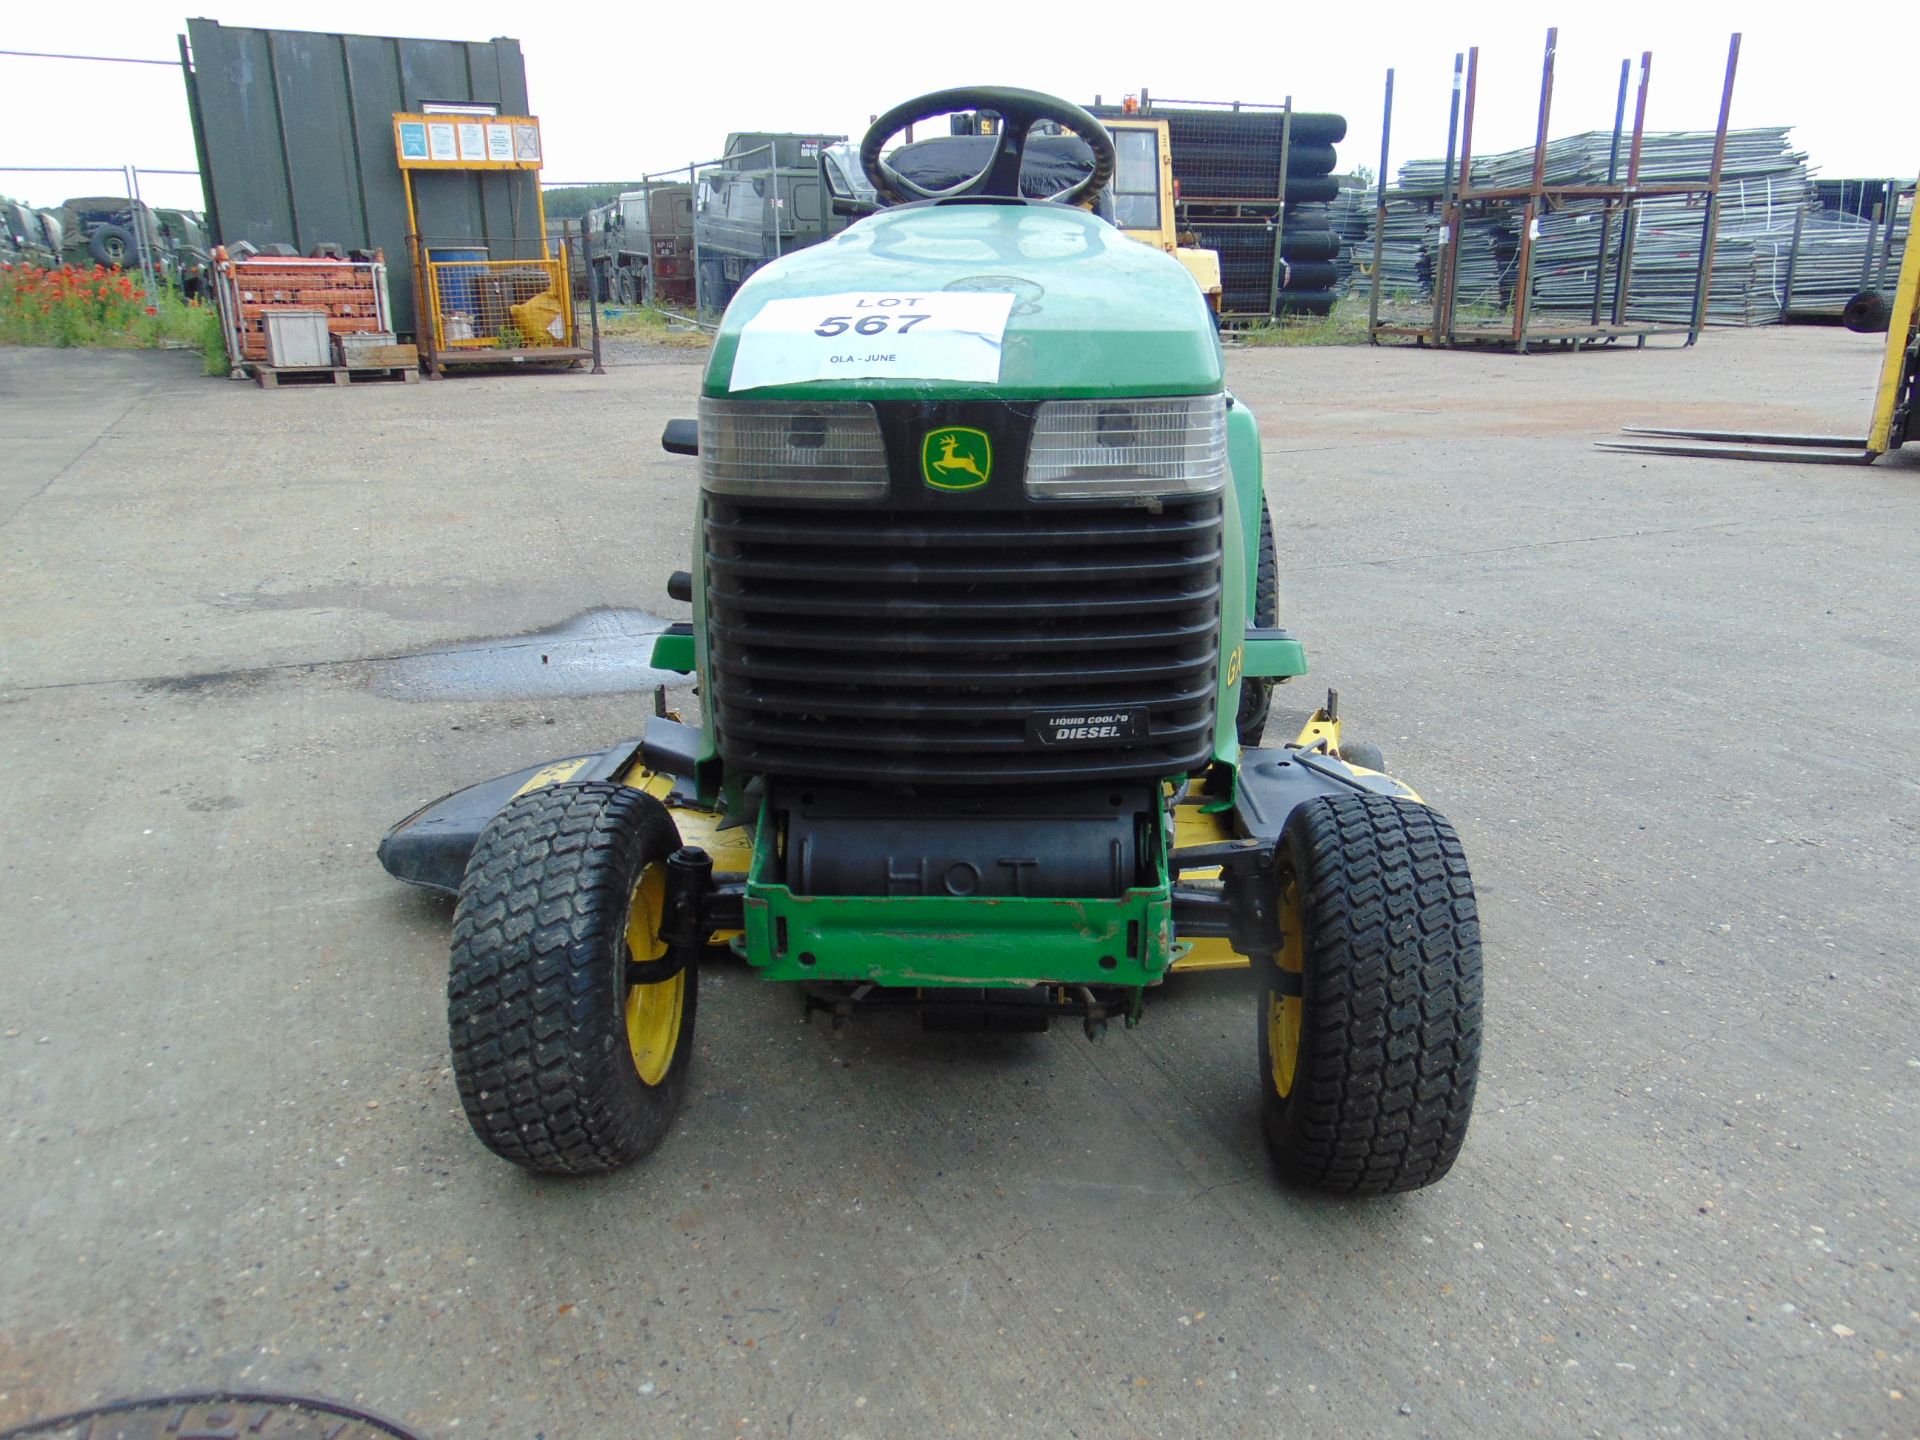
1671 706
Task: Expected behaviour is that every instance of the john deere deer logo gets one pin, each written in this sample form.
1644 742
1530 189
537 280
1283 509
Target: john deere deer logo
957 457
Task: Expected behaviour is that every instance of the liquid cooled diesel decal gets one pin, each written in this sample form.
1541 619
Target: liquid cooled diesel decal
1087 727
930 335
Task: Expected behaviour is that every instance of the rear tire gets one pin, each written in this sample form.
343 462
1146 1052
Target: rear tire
1368 1076
562 1066
1256 695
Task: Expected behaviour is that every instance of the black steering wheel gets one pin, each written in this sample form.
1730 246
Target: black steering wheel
1018 110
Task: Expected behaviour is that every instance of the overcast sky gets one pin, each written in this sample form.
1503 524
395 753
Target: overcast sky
627 88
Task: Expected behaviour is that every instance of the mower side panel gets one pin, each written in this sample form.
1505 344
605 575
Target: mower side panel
430 847
1249 491
1267 655
1239 570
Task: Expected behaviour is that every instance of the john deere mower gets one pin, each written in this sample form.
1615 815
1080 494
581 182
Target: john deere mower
984 605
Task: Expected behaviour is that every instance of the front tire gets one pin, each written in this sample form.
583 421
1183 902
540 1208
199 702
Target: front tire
1368 1071
562 1066
1256 695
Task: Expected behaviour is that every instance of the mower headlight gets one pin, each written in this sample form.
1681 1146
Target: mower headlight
792 450
1128 449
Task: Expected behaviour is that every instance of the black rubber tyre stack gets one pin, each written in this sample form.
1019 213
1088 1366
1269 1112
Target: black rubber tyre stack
1308 302
1234 157
1308 245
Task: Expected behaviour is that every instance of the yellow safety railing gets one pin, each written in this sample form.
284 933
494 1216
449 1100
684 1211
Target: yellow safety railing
476 304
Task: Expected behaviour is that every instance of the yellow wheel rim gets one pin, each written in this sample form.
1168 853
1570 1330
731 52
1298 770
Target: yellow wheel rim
1284 1012
653 1011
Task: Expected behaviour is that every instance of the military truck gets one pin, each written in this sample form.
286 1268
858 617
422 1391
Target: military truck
187 258
113 230
641 244
28 237
763 200
106 230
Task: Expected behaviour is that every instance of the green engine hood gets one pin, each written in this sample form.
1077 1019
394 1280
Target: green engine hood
1095 313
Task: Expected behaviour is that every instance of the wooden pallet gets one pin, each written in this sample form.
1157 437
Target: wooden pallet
272 377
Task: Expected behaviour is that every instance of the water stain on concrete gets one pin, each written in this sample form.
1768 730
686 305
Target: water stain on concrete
429 603
208 682
598 652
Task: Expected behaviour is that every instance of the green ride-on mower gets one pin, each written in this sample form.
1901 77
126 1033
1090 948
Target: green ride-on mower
984 607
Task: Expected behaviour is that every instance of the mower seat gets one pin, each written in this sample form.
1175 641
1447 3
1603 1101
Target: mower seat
1053 162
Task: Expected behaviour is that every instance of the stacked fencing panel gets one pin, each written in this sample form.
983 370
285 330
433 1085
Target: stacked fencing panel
1837 256
1351 216
1766 195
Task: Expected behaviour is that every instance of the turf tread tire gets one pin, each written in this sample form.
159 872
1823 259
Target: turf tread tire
1390 1034
536 992
1256 694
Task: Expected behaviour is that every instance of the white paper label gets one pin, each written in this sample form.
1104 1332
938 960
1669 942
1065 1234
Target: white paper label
910 335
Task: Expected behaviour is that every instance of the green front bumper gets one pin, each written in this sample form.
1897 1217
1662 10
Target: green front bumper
950 940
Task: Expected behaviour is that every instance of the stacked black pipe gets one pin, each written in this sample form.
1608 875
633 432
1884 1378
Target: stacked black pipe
1227 167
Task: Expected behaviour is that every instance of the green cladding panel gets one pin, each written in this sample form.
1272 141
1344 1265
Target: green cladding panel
295 134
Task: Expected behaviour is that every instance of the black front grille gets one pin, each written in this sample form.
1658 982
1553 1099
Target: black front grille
913 647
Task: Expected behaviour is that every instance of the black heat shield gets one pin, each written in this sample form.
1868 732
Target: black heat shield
1073 843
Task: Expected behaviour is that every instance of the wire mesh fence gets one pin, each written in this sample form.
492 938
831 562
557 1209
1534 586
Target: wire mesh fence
1255 185
684 240
637 246
477 299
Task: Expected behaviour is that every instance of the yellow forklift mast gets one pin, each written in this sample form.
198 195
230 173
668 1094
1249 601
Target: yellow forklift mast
1898 395
1143 197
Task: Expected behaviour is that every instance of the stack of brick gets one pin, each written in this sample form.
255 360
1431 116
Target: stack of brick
351 294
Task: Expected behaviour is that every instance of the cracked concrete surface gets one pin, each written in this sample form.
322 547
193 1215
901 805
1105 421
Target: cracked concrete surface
1671 706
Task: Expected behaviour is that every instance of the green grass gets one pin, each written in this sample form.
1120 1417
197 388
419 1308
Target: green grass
90 307
1347 325
655 327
